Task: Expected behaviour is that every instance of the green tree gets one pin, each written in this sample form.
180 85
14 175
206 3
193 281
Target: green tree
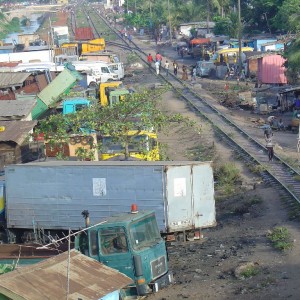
292 54
137 112
288 17
259 15
227 26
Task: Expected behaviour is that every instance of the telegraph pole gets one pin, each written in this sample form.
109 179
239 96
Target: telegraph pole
240 37
170 21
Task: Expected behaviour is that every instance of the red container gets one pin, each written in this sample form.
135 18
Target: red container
271 69
84 34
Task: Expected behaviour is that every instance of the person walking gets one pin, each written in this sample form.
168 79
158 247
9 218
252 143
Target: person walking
194 74
157 66
158 58
184 73
167 68
175 67
270 147
149 59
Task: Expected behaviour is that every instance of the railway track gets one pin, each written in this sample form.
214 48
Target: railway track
279 174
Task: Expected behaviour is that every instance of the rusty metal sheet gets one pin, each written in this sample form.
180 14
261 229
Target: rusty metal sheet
84 34
89 279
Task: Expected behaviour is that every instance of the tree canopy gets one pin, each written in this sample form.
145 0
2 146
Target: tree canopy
139 111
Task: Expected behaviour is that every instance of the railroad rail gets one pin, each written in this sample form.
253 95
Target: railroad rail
283 177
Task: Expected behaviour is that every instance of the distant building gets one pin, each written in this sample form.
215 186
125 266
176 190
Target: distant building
114 3
202 28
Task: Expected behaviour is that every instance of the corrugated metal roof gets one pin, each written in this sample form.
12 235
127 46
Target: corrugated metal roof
58 86
84 34
290 89
14 109
8 79
89 279
16 131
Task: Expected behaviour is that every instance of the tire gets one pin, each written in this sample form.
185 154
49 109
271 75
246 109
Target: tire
92 84
78 139
72 141
86 140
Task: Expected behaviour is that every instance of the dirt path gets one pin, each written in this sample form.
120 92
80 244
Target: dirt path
206 269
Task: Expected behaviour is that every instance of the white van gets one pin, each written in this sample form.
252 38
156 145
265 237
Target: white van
96 71
116 67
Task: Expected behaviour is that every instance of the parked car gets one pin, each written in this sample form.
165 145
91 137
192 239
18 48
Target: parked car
205 68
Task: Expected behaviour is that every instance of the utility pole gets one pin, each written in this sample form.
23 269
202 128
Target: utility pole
170 21
240 37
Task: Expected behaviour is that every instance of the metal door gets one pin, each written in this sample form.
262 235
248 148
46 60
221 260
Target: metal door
179 198
203 194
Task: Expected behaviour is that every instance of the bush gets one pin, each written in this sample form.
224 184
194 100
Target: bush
280 238
250 271
227 174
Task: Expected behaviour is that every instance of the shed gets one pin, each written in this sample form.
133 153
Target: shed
27 38
287 97
11 140
88 280
16 110
201 27
12 79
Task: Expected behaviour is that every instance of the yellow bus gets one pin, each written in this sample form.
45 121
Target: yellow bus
143 145
229 56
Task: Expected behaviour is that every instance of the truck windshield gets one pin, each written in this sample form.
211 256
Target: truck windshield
137 143
144 233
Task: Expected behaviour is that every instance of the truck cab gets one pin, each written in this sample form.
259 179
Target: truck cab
73 105
142 145
130 243
111 93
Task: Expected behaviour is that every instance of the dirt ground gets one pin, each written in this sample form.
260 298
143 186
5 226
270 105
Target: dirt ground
208 269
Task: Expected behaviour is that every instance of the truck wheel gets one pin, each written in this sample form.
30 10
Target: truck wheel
87 139
72 141
92 85
78 139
